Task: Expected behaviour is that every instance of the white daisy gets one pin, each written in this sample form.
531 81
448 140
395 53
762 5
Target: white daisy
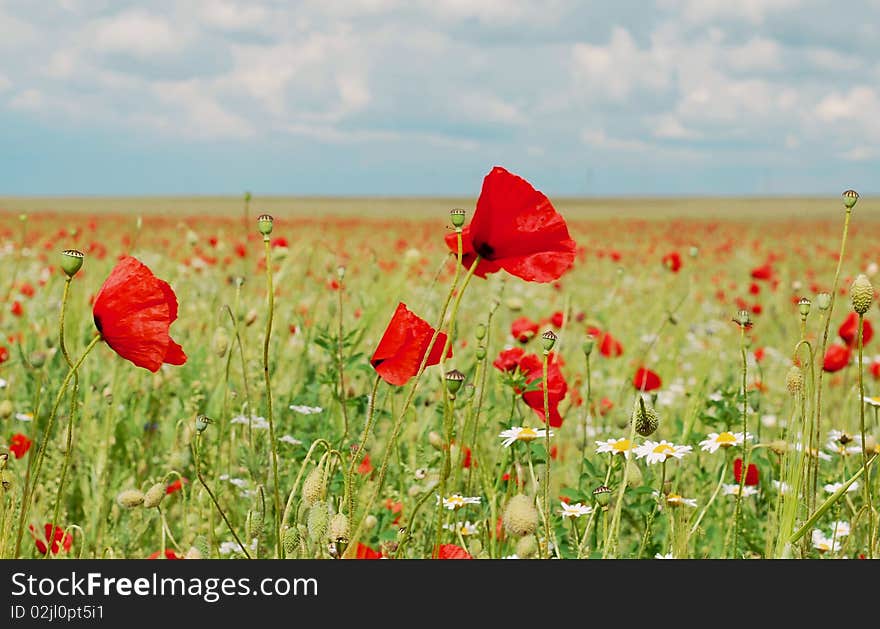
662 556
522 433
823 543
840 529
305 410
715 440
873 401
3 383
659 451
258 423
465 528
833 487
513 556
733 490
227 548
823 456
615 446
457 501
576 510
241 483
291 440
24 417
676 500
781 486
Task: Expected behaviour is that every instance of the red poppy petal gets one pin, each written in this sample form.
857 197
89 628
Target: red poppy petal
400 351
175 354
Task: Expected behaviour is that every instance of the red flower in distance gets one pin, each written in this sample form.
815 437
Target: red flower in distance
836 358
365 552
610 347
517 229
19 445
646 380
176 486
849 330
4 354
133 311
451 551
365 466
751 473
56 539
672 261
169 554
403 346
875 370
764 272
523 329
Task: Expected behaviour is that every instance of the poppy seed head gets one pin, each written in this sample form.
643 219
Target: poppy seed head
71 261
850 197
130 498
264 224
454 380
804 307
154 495
602 495
457 216
794 380
549 339
645 418
823 300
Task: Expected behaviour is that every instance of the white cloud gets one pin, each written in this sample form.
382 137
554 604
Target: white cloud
232 16
202 115
136 32
860 154
752 11
28 100
859 102
5 83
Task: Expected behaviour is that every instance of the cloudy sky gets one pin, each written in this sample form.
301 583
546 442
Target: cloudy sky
425 96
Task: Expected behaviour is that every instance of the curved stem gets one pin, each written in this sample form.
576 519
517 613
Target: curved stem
273 447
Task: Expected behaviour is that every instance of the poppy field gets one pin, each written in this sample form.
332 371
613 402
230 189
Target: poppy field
504 379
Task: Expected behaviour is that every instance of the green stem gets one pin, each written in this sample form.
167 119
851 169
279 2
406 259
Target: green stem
359 453
737 513
340 363
273 446
547 457
867 481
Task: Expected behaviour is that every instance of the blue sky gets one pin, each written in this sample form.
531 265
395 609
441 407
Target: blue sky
424 96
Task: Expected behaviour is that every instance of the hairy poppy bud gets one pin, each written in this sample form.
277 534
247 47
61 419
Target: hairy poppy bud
435 440
527 547
154 495
130 498
645 418
794 380
850 197
6 409
71 261
264 223
862 294
220 342
480 332
319 516
290 540
313 487
520 516
339 530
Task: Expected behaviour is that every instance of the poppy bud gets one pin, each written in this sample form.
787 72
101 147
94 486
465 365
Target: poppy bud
520 516
220 342
861 294
549 340
254 524
454 380
794 380
6 409
602 496
370 522
264 223
71 261
588 344
514 304
340 272
130 498
435 440
480 352
475 547
154 495
247 196
850 197
634 477
823 300
480 332
319 516
202 422
313 486
743 319
527 547
457 216
250 317
645 418
804 307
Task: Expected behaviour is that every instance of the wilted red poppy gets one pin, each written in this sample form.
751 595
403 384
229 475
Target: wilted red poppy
451 551
751 473
365 552
523 329
672 261
403 346
515 228
646 380
56 539
169 554
836 358
133 311
19 445
849 330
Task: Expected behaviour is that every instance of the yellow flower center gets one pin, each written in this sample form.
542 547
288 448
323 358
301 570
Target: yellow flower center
527 434
455 501
663 448
673 499
622 445
725 440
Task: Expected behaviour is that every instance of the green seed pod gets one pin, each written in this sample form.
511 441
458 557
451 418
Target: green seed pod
520 516
588 345
71 261
549 340
339 530
645 418
480 332
457 217
254 524
480 352
264 223
154 496
6 409
319 517
602 496
314 486
527 547
804 307
861 294
290 540
454 380
850 197
823 300
130 498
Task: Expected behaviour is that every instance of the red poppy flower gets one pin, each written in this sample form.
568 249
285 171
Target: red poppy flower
751 473
515 228
836 358
133 311
56 539
466 460
4 354
764 272
849 330
610 346
672 261
365 552
17 309
759 354
451 551
508 359
403 346
27 290
365 467
646 380
557 319
19 445
523 329
875 369
169 554
533 368
176 486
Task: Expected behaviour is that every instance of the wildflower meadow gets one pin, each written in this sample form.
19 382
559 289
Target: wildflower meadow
507 379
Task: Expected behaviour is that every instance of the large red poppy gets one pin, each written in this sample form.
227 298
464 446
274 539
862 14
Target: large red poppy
532 366
751 473
56 539
849 330
403 346
517 229
451 551
836 358
646 380
133 311
19 445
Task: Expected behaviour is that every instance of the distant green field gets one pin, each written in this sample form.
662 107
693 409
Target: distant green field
574 208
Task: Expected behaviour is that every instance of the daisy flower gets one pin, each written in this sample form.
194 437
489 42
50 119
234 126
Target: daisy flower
715 440
576 510
24 417
662 556
676 500
615 446
457 501
465 528
3 383
733 490
781 486
289 439
227 548
873 401
825 544
823 456
305 410
840 529
522 433
659 451
833 487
